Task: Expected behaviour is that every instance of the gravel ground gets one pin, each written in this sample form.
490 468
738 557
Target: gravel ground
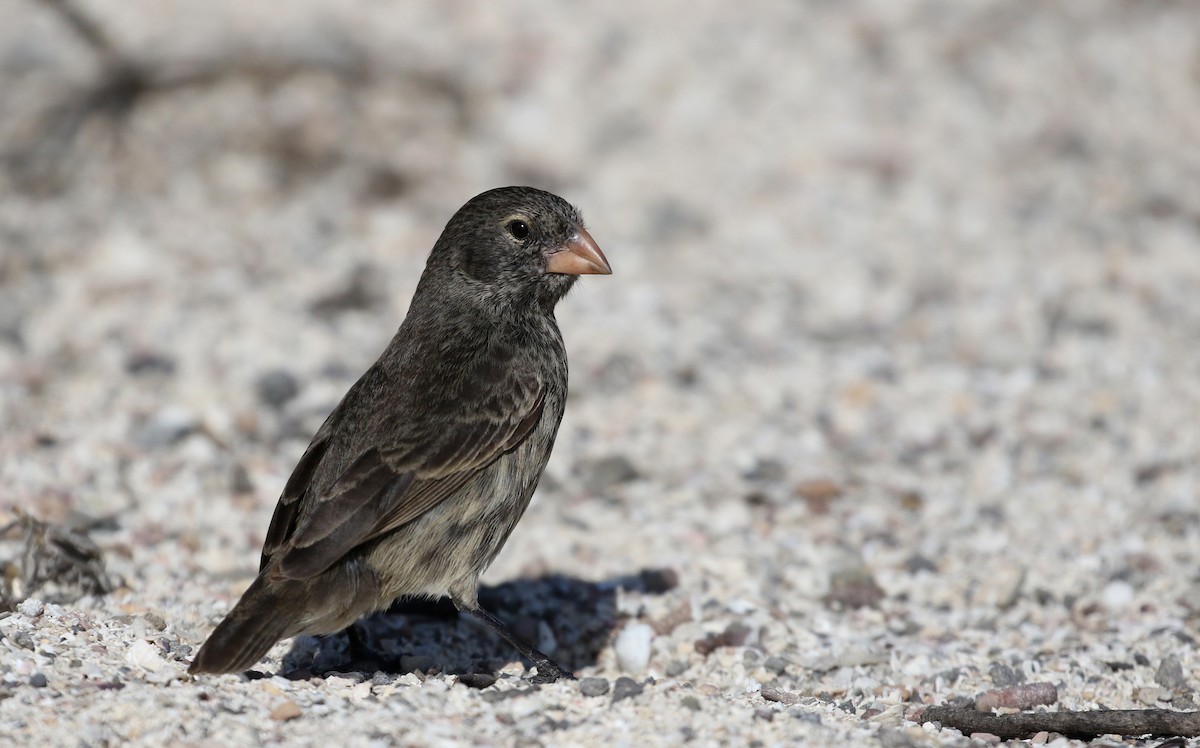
893 396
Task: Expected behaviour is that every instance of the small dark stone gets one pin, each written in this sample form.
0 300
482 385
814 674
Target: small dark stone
766 470
917 563
605 472
553 725
1142 660
593 686
819 493
771 693
677 667
477 680
775 664
757 499
1170 673
239 479
873 711
734 635
38 680
1151 472
691 703
495 695
625 688
1003 676
658 581
385 183
709 643
157 622
416 663
276 387
766 715
804 715
993 513
12 316
687 376
853 588
360 292
382 679
149 362
752 657
1116 666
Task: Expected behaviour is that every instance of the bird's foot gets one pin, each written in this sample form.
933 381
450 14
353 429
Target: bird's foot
549 671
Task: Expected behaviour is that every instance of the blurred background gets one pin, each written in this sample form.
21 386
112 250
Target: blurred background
901 286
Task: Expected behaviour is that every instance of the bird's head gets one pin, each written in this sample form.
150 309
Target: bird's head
518 245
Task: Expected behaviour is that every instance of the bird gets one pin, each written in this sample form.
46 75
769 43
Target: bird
414 482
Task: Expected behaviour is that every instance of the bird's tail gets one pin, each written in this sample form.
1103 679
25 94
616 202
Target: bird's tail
264 615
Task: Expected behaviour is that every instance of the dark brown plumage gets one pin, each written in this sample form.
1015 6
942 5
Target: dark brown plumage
415 480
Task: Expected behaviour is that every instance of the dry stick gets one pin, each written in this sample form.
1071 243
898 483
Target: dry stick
349 64
124 80
85 27
1082 725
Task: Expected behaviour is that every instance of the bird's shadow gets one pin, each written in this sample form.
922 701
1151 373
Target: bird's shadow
568 618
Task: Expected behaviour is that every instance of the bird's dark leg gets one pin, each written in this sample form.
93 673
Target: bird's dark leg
548 670
357 647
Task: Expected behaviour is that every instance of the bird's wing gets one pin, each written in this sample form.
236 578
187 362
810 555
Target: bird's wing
389 486
283 521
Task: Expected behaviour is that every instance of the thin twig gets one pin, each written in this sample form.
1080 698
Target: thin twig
1081 725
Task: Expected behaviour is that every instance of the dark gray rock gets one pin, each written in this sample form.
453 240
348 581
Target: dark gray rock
775 664
626 688
605 472
593 686
1003 676
1170 673
276 387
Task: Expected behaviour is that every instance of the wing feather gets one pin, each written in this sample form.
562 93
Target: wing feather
384 489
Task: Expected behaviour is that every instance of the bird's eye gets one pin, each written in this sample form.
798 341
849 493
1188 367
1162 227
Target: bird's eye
518 228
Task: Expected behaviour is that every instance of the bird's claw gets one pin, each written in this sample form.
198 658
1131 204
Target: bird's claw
548 672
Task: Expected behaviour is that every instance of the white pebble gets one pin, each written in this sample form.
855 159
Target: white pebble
145 655
31 608
741 607
633 647
1118 595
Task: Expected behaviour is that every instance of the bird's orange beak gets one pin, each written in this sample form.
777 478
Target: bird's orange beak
579 256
